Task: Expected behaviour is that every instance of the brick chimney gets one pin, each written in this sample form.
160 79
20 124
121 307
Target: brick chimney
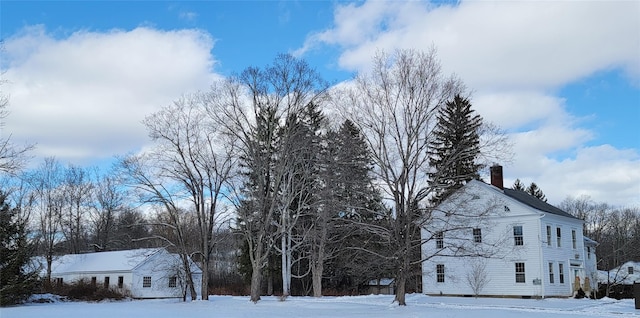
496 176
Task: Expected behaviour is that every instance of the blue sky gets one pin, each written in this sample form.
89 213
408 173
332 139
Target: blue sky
563 78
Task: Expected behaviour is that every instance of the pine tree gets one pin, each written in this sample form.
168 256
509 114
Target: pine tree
454 149
536 192
517 185
16 282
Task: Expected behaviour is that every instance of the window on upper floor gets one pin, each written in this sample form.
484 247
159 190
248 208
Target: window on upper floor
173 281
440 273
630 270
551 280
517 235
439 240
548 235
520 277
477 235
559 236
574 240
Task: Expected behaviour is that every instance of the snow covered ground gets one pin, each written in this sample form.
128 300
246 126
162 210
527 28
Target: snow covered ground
371 306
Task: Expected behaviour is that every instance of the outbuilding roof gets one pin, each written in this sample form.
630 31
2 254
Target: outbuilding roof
116 261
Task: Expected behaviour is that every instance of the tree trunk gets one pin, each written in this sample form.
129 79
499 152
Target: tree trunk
205 278
316 277
256 278
400 289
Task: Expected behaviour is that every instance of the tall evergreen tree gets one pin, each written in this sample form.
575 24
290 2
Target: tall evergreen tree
517 185
350 203
454 149
16 282
536 192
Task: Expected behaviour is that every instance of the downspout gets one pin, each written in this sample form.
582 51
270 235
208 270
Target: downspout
542 261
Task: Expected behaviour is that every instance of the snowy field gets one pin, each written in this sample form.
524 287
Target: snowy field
357 306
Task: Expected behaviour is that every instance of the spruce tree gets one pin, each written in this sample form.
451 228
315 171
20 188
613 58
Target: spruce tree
16 282
536 192
517 185
454 149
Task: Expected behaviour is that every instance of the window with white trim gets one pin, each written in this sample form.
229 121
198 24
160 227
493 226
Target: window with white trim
574 240
439 240
146 281
440 273
477 235
548 235
520 277
561 272
559 236
518 238
173 282
551 280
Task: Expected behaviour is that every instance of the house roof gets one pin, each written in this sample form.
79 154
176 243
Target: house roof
116 261
535 203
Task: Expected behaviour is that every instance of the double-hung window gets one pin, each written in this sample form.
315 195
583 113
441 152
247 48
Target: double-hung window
559 236
520 278
551 278
548 235
574 240
440 273
439 240
517 235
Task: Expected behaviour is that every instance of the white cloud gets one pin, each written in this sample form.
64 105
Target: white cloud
514 55
84 96
495 44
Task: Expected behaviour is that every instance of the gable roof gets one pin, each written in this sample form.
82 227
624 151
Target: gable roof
535 203
116 261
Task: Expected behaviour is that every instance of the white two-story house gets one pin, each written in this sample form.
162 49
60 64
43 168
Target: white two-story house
490 241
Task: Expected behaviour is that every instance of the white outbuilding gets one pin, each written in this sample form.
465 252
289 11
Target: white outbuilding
141 273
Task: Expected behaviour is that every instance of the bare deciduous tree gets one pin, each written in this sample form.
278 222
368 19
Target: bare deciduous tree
477 276
395 106
253 108
146 178
46 182
192 154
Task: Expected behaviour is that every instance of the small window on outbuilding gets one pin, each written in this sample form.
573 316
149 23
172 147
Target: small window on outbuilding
146 281
94 280
477 235
630 270
106 281
120 281
173 282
